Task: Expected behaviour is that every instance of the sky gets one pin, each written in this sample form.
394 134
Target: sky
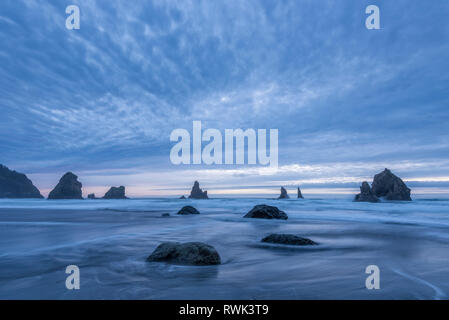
102 101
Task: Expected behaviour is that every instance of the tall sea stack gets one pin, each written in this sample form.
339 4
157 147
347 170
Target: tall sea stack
390 187
300 194
284 194
16 185
197 193
68 188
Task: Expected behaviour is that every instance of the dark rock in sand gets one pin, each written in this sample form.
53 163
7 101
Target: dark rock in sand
197 193
16 185
300 194
68 188
284 194
366 194
182 197
289 239
188 210
91 196
263 211
190 253
388 185
115 193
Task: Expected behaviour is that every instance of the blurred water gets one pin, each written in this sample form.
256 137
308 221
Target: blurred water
110 239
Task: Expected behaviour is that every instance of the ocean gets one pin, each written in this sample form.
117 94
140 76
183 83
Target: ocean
109 240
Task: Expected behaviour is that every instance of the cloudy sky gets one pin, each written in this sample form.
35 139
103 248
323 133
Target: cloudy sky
102 101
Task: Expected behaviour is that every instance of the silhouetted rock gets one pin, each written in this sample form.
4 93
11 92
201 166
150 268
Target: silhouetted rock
289 239
16 185
190 253
182 197
188 210
197 193
389 186
91 196
165 215
284 194
115 193
366 194
300 194
68 188
263 211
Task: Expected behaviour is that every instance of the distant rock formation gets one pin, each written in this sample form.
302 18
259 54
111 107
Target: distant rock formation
289 239
391 187
16 185
115 193
188 210
190 253
182 197
197 193
91 196
68 188
300 194
284 194
165 214
366 194
263 211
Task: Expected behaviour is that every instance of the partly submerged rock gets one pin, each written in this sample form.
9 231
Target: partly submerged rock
391 187
366 194
91 196
289 239
165 215
115 193
16 185
300 194
263 211
68 188
190 253
197 193
182 197
188 210
284 194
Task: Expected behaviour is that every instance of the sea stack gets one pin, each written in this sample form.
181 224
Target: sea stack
366 194
115 193
284 194
300 194
389 186
68 188
16 185
91 196
197 193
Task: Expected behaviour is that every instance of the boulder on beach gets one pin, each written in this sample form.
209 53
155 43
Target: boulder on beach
16 185
390 187
197 193
188 210
263 211
289 239
68 188
300 194
284 194
190 253
91 196
366 194
115 193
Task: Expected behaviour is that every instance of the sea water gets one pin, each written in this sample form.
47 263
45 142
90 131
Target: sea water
109 240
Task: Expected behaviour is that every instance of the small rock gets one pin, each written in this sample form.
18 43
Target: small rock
115 193
366 194
284 194
197 193
263 211
188 210
165 215
91 196
182 197
190 253
289 239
